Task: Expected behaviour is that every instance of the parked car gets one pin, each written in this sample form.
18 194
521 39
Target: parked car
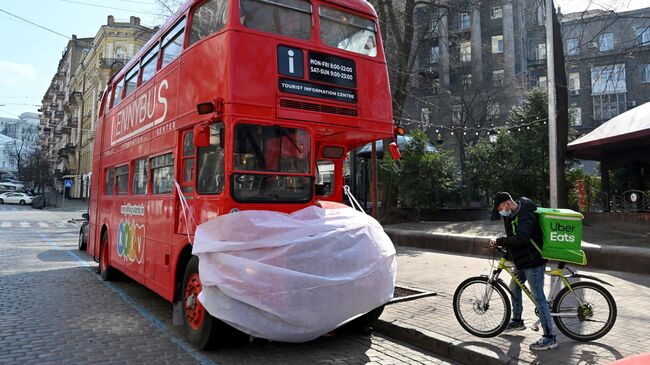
83 232
16 198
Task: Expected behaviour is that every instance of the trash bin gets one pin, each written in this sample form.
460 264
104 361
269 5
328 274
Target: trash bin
37 202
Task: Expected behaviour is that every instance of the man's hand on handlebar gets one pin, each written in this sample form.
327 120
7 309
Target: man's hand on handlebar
492 245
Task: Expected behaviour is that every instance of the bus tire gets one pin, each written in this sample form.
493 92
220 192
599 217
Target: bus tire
105 269
203 330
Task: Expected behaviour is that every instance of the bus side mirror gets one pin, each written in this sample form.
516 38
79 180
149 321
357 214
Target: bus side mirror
202 135
393 148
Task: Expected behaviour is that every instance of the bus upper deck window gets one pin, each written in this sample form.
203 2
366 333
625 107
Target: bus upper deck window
347 31
117 95
208 18
131 80
172 43
107 101
149 63
291 18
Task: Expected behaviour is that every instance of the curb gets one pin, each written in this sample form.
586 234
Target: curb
616 258
442 345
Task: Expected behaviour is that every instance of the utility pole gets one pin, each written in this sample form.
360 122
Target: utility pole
552 101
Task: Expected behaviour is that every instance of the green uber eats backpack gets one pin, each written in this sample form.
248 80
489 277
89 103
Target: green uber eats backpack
562 234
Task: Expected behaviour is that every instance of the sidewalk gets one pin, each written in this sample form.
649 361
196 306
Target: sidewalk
430 322
609 246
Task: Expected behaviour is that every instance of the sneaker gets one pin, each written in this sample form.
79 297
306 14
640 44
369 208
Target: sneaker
544 343
515 326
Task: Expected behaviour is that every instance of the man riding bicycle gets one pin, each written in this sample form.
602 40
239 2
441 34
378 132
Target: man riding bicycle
521 226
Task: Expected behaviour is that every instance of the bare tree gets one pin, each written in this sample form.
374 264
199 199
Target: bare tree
167 8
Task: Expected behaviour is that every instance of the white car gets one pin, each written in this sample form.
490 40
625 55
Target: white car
16 198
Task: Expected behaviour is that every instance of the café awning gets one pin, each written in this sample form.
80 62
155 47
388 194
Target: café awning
626 134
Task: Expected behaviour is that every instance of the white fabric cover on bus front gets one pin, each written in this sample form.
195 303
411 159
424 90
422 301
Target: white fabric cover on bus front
293 277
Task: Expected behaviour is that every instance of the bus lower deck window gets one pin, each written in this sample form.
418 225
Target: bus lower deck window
162 172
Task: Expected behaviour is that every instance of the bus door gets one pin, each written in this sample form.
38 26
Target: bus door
187 176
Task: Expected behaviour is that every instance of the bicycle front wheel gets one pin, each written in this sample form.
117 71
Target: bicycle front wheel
481 309
585 313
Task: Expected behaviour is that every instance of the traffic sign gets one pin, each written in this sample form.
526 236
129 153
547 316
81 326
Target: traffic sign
68 183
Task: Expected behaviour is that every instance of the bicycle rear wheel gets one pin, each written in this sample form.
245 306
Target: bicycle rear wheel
482 320
587 321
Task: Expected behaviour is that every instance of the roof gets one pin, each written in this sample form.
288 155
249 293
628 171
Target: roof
624 131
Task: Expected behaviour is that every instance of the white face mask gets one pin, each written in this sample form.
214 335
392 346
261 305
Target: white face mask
505 213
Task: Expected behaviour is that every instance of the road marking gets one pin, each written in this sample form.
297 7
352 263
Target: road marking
158 324
5 224
60 225
42 224
24 225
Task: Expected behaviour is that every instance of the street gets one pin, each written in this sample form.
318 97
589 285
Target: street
56 310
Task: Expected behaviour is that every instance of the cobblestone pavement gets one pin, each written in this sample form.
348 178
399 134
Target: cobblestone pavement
442 273
55 310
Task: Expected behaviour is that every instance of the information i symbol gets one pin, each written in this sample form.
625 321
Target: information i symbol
291 54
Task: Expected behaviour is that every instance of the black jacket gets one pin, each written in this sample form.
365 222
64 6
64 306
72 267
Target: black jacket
518 244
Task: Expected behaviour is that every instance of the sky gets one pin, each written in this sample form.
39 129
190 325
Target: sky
29 55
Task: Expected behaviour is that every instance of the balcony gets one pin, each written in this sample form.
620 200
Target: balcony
60 94
72 98
73 122
54 105
112 63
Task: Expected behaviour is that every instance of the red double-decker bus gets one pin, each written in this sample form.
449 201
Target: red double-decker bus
236 105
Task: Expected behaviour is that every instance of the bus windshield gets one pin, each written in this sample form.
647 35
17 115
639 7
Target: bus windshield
291 18
347 31
259 149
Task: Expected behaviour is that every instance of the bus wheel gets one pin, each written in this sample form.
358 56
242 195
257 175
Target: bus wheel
105 270
202 328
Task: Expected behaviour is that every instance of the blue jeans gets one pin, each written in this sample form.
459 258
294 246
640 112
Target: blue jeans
535 277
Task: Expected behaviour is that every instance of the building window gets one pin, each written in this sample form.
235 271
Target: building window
608 106
434 26
606 42
497 78
574 83
576 116
643 35
466 80
435 54
457 114
541 82
493 110
465 21
496 12
572 47
540 51
424 116
541 15
497 44
466 51
645 73
608 79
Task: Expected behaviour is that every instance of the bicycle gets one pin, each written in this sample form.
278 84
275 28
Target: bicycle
583 310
